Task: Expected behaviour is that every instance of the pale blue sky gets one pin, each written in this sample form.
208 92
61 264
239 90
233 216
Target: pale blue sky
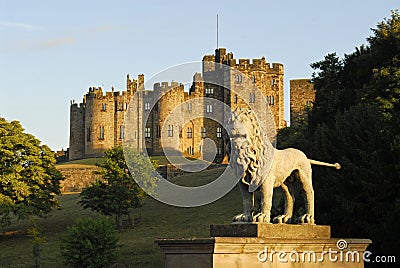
53 51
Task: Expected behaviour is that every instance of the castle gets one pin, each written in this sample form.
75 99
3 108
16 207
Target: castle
98 124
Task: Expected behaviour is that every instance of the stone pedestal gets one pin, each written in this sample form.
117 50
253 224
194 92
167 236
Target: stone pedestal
265 245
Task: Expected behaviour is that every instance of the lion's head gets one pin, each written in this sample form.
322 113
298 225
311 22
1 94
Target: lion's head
252 152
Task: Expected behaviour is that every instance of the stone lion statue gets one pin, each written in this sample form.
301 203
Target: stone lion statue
262 167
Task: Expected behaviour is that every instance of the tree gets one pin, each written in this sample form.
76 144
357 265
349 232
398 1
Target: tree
35 233
90 243
28 178
118 192
356 121
328 81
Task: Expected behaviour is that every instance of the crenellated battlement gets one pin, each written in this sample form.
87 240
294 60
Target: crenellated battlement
77 106
257 64
132 85
167 85
242 64
97 93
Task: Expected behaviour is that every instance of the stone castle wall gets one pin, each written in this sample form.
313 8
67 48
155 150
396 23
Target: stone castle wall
77 131
77 177
98 123
302 96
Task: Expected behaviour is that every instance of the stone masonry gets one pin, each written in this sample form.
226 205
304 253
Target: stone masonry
97 123
302 96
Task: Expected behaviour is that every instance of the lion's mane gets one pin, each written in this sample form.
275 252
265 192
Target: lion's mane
254 154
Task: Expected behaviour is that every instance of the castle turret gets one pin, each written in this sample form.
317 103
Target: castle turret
302 96
77 131
140 80
132 85
99 122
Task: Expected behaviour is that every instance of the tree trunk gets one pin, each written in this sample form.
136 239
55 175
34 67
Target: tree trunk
118 219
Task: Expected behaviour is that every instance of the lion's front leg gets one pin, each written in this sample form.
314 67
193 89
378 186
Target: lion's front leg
267 189
248 205
288 206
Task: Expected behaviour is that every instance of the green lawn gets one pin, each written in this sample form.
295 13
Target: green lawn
161 160
85 161
138 249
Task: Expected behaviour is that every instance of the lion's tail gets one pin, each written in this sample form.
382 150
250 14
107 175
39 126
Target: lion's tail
319 163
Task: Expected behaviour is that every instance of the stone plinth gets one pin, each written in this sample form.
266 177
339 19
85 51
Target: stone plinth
288 250
271 230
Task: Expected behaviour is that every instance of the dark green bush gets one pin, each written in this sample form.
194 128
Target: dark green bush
90 243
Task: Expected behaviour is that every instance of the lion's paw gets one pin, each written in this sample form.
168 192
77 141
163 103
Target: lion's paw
307 218
243 218
281 219
261 217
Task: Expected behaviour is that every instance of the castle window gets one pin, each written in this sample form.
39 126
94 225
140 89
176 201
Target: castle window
170 130
121 132
147 106
203 132
158 131
209 91
101 133
125 106
190 132
272 82
147 132
253 78
235 99
189 106
238 78
219 132
209 108
88 134
219 150
270 100
252 97
103 107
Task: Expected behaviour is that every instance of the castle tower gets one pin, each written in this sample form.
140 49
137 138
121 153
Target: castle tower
302 96
77 131
172 96
239 86
99 122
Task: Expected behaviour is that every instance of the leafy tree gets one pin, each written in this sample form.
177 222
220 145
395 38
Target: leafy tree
356 121
90 243
117 192
29 181
328 81
35 233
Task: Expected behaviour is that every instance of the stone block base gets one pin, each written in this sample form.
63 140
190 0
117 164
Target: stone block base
266 252
271 230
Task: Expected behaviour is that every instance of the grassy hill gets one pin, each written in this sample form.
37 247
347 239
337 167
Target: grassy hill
161 160
155 220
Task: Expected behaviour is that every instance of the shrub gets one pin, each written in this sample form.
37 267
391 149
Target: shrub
90 243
